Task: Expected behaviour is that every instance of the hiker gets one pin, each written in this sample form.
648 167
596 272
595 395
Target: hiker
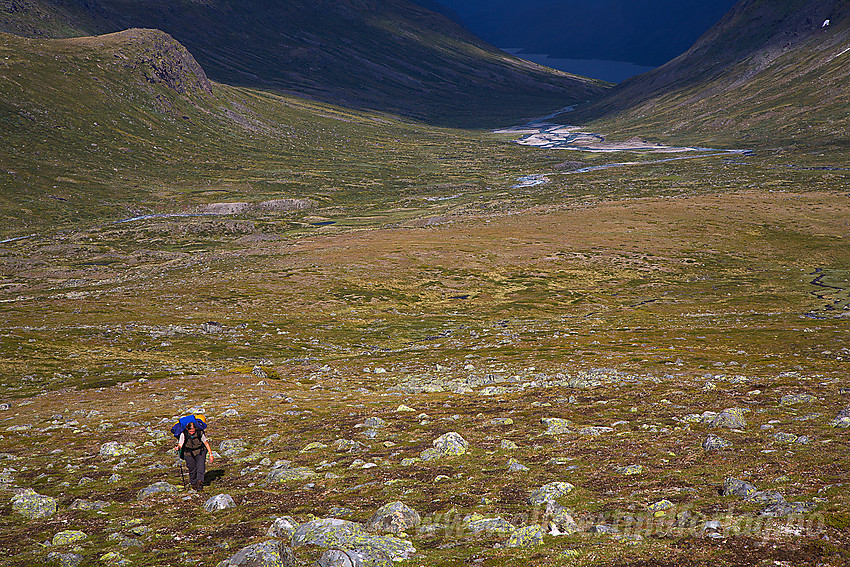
196 449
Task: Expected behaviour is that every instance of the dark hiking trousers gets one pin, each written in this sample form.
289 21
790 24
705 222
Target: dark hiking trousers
196 462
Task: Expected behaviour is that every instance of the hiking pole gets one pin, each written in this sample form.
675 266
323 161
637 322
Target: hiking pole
182 476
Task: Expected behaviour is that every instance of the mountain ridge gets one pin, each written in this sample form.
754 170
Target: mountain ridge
385 55
760 57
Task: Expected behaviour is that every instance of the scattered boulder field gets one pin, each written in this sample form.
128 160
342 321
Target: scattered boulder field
498 465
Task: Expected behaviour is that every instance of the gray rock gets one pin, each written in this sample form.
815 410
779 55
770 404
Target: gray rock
451 443
515 466
325 532
80 504
767 496
715 443
333 532
271 553
595 431
65 559
115 449
32 505
496 525
556 425
736 487
730 418
230 444
793 399
219 502
67 537
157 488
550 492
395 517
285 475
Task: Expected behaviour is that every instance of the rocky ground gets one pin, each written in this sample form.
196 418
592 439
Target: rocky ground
652 380
488 465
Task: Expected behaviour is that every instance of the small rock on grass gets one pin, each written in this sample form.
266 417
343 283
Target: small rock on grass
515 466
715 443
730 418
737 487
219 502
556 425
157 488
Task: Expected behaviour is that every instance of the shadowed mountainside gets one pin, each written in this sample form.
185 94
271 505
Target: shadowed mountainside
767 71
385 55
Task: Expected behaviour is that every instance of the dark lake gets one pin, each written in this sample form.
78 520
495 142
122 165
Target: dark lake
611 71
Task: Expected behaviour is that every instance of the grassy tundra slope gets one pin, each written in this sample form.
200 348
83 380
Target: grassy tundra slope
99 129
769 73
336 269
386 55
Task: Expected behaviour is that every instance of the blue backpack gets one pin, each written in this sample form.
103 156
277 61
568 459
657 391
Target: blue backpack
199 420
178 428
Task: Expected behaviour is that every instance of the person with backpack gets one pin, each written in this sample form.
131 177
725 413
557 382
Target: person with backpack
193 447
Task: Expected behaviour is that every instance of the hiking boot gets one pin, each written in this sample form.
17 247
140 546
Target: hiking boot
199 486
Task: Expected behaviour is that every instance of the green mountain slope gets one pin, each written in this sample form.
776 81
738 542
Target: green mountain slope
387 55
768 71
101 128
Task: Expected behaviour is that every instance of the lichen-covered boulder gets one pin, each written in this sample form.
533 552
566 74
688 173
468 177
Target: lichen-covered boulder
730 418
65 559
496 525
325 532
115 449
285 475
715 443
737 487
395 518
556 425
157 488
333 532
793 399
450 444
271 553
32 505
526 536
67 537
219 502
550 492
